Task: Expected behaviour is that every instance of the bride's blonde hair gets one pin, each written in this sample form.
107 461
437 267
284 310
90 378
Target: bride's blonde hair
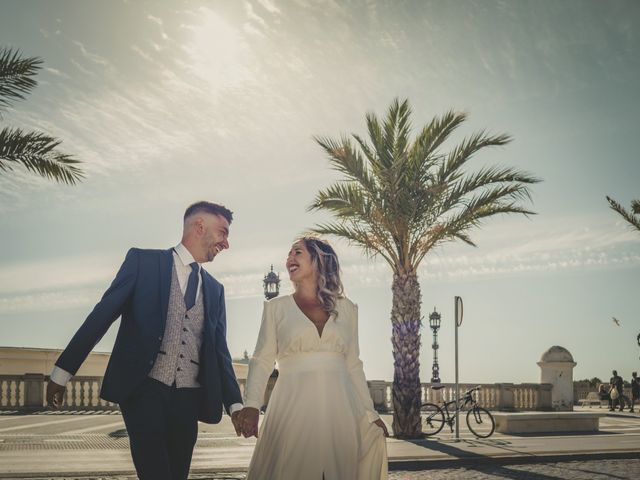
325 261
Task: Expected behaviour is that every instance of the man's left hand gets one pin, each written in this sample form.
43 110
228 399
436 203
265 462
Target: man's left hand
235 419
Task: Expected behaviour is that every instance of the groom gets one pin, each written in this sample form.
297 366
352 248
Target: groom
170 365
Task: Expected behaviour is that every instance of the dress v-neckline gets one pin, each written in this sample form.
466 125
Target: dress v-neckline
309 321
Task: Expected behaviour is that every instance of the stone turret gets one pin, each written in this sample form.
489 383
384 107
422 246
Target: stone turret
556 367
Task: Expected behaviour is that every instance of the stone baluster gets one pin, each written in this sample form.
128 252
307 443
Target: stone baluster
378 392
10 401
506 397
33 391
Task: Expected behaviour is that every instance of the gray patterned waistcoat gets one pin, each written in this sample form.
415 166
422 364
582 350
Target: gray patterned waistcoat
179 357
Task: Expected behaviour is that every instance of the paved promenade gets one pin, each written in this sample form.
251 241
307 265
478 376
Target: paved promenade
56 445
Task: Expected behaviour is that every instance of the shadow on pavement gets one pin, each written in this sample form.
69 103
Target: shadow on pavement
563 434
448 447
503 466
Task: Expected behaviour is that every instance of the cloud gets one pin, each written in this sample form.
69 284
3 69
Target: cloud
50 301
77 280
57 72
269 6
58 273
81 68
155 19
92 57
142 53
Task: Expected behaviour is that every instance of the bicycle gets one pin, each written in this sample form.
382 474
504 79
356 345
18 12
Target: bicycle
479 421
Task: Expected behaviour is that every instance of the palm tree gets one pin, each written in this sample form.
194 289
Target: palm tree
400 199
37 152
633 216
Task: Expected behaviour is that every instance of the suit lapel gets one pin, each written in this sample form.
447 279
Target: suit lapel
166 265
209 300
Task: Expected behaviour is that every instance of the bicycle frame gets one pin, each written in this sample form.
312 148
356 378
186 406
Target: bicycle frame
460 404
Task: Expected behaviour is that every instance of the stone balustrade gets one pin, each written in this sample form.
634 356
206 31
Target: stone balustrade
27 392
493 396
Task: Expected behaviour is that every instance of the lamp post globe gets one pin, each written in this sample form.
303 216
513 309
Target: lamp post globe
271 284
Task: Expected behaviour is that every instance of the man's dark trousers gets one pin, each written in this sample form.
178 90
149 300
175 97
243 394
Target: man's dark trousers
162 422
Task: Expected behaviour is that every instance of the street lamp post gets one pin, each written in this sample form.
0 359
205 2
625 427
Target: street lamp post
271 283
434 323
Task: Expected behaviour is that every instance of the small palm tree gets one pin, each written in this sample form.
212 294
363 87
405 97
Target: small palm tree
400 199
632 217
37 152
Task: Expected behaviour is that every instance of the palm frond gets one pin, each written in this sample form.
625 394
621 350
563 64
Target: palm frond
345 159
16 75
462 153
353 205
355 235
632 218
435 134
484 178
37 153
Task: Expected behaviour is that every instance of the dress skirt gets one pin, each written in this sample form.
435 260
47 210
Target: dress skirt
316 427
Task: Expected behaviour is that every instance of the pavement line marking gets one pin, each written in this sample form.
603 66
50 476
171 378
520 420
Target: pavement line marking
50 422
91 429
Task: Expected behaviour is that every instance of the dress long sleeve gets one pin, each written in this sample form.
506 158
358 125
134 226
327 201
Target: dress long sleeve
356 371
262 361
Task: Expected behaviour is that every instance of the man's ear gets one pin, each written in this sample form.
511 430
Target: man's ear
199 223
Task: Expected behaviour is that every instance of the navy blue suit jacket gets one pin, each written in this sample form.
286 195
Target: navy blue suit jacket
140 295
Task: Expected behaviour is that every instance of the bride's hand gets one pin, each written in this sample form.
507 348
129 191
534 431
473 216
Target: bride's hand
249 421
382 425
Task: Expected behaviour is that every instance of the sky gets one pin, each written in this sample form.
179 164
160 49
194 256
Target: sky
171 102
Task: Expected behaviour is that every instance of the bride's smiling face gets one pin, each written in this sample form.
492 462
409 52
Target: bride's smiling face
299 263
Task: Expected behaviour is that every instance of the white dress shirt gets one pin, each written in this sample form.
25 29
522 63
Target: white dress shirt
182 259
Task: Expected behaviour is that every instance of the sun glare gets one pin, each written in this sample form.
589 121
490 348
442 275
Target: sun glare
217 52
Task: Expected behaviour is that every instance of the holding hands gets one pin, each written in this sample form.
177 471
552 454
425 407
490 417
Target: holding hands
245 422
55 395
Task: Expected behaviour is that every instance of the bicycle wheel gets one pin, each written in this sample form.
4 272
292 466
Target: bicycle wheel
480 422
432 419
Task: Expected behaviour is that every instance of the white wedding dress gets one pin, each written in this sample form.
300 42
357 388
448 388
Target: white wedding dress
318 423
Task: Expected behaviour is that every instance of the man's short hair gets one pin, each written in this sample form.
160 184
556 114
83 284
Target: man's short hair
209 207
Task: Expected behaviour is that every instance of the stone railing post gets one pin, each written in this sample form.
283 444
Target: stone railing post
505 400
378 392
544 397
33 390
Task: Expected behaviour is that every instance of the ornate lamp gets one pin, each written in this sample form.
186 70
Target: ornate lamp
271 284
434 323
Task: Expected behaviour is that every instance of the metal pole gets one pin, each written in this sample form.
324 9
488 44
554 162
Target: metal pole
458 322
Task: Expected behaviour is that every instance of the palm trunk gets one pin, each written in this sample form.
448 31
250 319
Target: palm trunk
405 321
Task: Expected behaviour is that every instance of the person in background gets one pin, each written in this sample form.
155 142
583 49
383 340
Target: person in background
635 390
617 383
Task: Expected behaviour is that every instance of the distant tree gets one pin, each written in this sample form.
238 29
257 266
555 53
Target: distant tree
35 151
592 382
595 381
400 198
632 217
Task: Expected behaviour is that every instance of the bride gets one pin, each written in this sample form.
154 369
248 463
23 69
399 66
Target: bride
320 422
